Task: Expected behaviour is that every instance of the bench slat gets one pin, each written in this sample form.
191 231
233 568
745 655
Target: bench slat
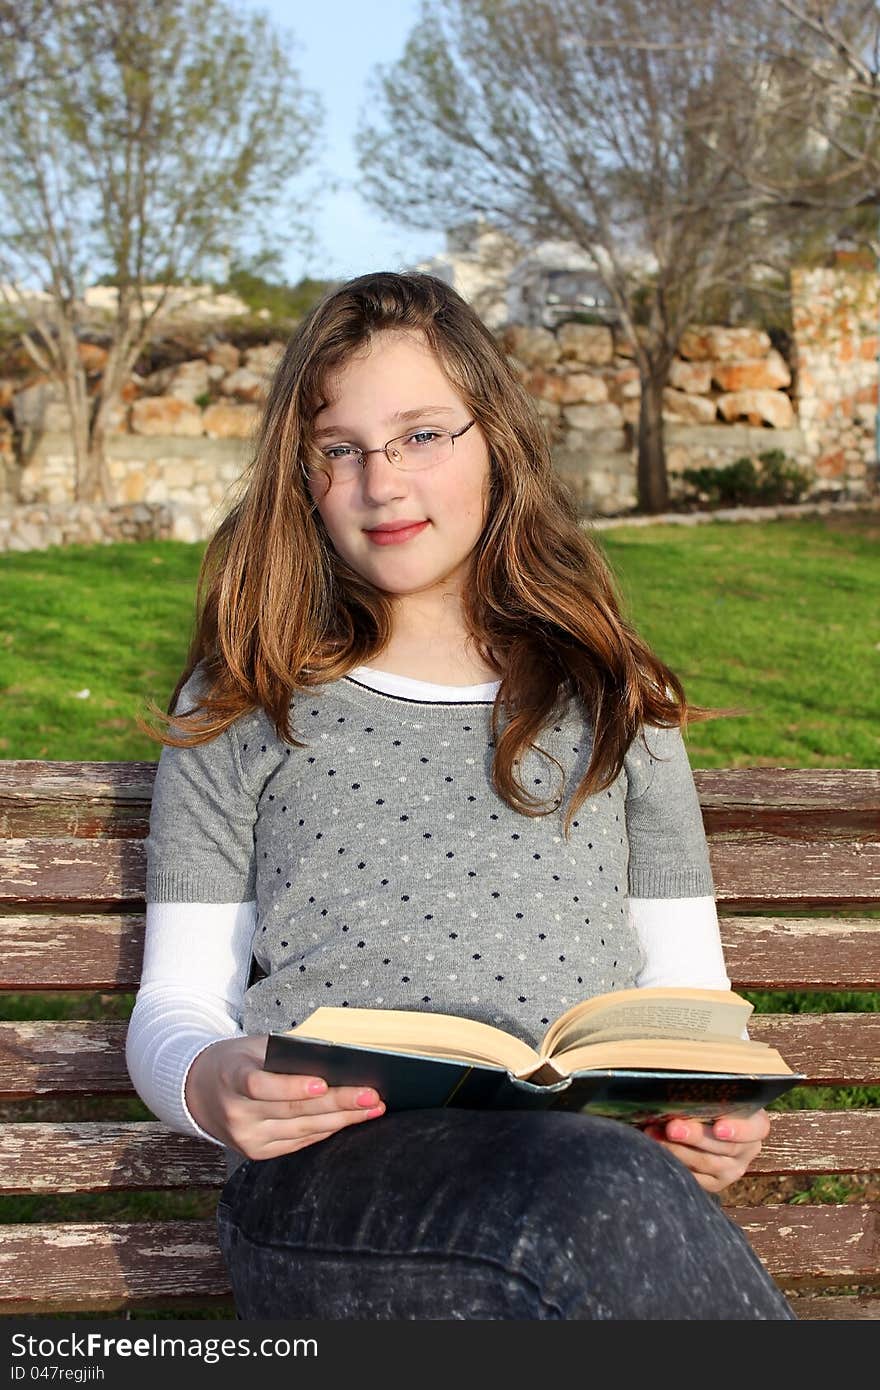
102 1155
89 952
104 952
824 1245
93 1266
53 799
778 800
846 1309
802 953
72 1058
750 872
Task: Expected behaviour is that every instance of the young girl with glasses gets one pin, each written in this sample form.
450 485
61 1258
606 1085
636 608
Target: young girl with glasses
419 759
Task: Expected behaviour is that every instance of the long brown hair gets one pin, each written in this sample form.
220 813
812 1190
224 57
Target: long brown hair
278 611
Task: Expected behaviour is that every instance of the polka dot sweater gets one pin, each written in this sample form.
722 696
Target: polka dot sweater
388 873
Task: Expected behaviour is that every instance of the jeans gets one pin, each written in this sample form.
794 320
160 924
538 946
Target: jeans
463 1214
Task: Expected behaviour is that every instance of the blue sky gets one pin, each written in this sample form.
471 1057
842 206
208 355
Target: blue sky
338 42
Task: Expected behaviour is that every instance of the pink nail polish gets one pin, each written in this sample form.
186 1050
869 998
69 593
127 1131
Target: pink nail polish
316 1088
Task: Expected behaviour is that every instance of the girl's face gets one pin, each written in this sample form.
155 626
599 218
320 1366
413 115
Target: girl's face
446 503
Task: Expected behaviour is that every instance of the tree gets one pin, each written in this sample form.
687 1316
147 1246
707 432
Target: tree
142 143
834 50
578 119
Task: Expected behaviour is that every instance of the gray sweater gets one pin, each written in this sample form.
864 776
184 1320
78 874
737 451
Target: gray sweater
388 873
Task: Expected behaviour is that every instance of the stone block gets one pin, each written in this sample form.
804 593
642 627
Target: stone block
592 344
695 378
707 342
227 421
760 374
534 347
678 405
593 417
758 407
165 415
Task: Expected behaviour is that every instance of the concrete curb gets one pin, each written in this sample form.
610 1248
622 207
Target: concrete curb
781 512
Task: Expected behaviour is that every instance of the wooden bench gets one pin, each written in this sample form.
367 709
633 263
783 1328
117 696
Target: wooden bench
72 918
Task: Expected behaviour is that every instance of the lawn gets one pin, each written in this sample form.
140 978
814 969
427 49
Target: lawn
780 620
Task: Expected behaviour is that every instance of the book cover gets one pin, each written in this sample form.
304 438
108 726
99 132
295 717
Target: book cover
407 1081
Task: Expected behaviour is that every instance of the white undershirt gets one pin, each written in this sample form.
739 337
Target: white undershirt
197 958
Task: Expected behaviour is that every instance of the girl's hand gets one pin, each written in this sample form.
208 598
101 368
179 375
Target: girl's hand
717 1154
264 1114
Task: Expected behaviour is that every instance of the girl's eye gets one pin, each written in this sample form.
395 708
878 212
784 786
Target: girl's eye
423 437
339 451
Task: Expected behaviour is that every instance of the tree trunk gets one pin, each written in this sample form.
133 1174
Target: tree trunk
652 483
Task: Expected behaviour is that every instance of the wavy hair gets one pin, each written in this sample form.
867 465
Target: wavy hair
278 611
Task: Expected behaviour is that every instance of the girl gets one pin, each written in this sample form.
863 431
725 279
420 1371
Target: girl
418 759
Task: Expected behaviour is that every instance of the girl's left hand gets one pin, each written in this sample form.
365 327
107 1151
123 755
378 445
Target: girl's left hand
717 1154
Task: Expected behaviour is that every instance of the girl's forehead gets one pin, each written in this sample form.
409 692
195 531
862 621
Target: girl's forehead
411 365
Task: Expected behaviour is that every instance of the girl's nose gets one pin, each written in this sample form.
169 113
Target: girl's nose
380 480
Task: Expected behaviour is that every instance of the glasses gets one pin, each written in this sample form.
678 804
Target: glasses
342 463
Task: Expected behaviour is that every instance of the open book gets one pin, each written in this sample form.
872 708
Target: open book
636 1054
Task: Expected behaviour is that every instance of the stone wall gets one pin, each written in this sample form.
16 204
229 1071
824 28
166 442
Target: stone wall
729 395
836 314
184 432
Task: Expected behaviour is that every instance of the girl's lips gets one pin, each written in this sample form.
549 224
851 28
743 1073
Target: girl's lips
405 533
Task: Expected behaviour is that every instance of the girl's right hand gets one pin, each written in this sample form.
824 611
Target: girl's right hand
264 1114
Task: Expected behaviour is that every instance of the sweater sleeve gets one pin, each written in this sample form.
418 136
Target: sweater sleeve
668 852
196 962
200 846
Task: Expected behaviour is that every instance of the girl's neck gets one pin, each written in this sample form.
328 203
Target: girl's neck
436 661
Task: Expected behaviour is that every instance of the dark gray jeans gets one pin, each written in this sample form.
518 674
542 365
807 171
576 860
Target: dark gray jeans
462 1214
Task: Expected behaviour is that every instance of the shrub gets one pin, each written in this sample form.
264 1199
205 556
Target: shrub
771 478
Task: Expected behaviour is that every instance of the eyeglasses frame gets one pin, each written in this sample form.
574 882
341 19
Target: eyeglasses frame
363 454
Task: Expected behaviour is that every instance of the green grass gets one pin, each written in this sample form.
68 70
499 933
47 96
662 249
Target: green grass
782 618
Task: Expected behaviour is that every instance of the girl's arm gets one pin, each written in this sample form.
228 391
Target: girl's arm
196 963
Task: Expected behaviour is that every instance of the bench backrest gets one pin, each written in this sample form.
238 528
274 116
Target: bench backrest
72 919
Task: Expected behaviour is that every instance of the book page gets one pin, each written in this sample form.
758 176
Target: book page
650 1013
410 1030
685 1054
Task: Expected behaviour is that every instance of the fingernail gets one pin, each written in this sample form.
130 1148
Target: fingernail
723 1132
377 1110
316 1088
366 1098
678 1131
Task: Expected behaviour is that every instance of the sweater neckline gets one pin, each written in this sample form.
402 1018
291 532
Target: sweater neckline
410 691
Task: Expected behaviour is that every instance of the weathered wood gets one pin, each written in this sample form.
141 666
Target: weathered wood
95 1266
753 872
63 1058
791 801
802 953
108 873
804 1246
848 1308
91 1266
66 1058
814 801
76 872
831 1049
104 952
102 1155
75 1058
57 799
821 1141
89 952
